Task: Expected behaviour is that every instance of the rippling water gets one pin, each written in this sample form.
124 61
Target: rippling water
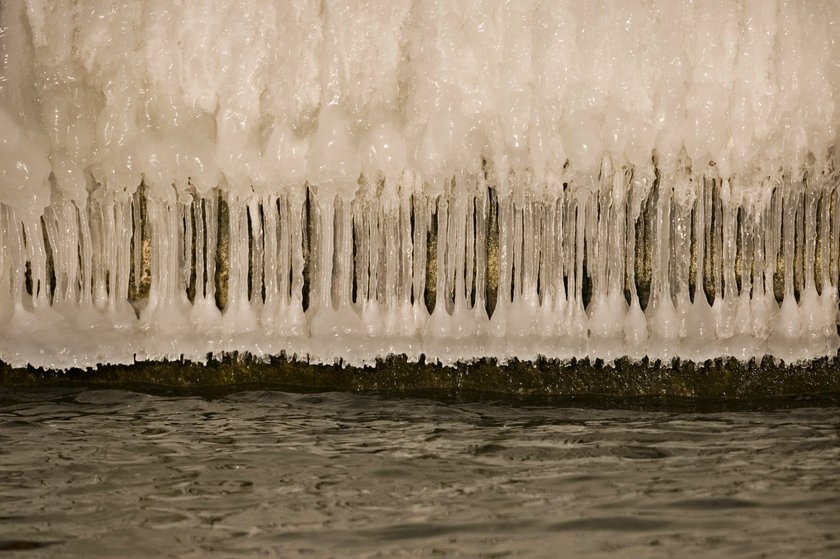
121 474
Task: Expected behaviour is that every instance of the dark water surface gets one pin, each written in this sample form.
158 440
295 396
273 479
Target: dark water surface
107 473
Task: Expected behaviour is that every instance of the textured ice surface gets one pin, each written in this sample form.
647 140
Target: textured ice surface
569 125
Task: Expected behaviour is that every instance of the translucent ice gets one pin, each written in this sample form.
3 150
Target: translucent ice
565 179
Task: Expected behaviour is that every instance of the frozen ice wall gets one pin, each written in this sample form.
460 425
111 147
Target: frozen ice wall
180 178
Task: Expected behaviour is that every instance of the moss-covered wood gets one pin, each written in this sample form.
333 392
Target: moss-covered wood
721 379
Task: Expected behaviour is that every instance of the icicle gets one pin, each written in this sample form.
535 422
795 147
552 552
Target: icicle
809 304
137 234
406 324
482 207
661 314
438 323
295 322
255 215
362 251
635 324
37 257
239 315
185 216
462 324
788 326
334 313
14 234
345 257
391 223
367 271
726 295
606 317
577 320
500 314
418 284
828 293
699 326
269 317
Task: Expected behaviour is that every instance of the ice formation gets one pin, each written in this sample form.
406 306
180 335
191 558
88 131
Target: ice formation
183 178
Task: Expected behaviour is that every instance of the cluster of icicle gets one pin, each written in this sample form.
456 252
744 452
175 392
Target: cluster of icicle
342 137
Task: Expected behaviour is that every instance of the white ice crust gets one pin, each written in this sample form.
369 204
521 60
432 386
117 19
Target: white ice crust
397 115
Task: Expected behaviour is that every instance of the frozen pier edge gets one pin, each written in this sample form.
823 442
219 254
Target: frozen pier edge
341 183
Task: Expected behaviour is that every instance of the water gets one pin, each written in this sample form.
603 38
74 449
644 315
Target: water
88 473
